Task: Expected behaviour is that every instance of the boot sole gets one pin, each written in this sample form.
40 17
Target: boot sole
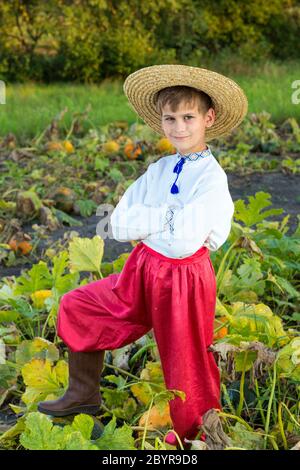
86 409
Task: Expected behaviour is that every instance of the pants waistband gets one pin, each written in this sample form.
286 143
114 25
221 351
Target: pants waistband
202 253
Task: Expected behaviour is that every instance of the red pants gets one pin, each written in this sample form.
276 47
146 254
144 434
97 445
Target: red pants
175 297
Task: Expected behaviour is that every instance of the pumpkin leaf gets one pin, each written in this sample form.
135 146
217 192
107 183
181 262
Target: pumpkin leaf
42 379
37 278
63 282
86 254
116 438
257 322
36 348
82 423
41 434
66 218
253 213
142 392
288 360
250 440
118 264
86 207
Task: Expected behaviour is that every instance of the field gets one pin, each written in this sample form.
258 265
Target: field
57 166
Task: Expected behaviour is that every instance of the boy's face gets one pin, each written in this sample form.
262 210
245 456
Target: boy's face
189 124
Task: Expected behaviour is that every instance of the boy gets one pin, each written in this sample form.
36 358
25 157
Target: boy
168 281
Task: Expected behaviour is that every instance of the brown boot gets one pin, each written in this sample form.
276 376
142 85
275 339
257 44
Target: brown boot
83 394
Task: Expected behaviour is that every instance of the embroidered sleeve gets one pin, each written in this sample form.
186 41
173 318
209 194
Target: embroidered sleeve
169 217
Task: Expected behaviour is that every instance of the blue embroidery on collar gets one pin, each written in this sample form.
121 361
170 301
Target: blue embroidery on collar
196 155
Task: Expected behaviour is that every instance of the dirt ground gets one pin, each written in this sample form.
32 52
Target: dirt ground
284 190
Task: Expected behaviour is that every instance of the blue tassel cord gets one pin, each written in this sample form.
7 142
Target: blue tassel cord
178 167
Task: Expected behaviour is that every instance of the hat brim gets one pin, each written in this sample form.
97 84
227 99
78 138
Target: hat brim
229 100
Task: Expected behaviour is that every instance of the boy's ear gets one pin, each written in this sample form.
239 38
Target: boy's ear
212 117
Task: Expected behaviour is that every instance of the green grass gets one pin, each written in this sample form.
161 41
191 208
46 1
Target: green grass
271 90
30 107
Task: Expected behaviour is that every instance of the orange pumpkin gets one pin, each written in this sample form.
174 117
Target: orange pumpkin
23 246
132 151
156 420
221 330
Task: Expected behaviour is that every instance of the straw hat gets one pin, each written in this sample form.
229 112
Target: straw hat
228 98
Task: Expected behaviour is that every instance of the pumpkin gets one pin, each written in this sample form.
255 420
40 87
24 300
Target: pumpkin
164 145
68 146
23 246
156 420
64 199
54 146
132 151
218 322
111 146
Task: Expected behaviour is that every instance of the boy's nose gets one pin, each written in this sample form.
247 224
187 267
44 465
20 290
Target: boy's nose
180 130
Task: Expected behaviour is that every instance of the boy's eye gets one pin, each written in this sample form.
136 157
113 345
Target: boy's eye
168 119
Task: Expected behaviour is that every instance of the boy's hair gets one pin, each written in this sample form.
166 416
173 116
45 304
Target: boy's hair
174 95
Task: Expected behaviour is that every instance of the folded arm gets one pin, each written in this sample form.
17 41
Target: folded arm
132 219
204 221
